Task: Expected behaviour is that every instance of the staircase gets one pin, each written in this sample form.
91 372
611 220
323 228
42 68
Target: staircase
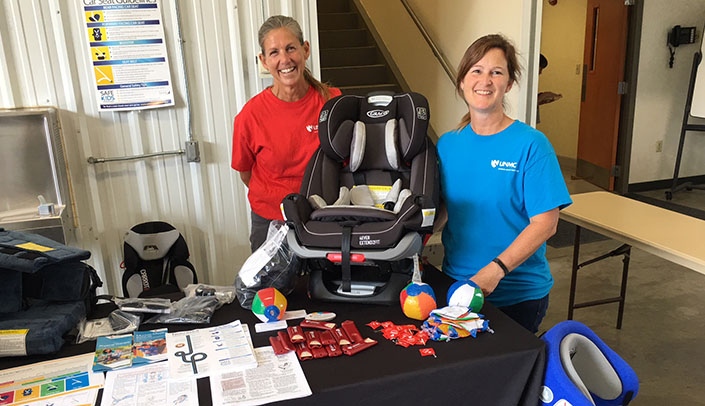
350 58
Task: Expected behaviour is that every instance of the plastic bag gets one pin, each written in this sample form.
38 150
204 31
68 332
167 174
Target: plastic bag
143 305
117 322
224 294
273 265
194 309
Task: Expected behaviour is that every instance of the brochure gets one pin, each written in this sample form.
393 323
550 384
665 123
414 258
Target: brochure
214 350
149 346
112 352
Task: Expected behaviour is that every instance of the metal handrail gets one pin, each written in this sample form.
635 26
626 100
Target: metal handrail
437 52
92 160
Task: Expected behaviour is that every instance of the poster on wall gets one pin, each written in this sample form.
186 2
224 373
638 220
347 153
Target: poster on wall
128 54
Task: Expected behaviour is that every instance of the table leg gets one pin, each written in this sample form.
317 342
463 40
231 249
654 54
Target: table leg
623 289
574 272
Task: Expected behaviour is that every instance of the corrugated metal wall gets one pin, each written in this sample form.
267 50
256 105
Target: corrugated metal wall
45 61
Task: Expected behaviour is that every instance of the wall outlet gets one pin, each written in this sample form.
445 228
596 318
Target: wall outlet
659 145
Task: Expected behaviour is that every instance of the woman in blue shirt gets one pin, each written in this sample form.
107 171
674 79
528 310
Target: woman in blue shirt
502 188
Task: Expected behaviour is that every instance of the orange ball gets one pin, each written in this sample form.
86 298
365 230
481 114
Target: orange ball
417 300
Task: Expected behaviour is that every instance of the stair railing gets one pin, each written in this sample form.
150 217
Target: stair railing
436 51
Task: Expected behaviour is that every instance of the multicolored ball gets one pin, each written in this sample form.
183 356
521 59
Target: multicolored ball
269 304
467 294
417 300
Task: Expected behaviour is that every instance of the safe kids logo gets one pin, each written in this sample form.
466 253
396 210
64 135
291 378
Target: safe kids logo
504 165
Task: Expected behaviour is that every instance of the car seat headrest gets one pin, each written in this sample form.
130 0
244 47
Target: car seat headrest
155 245
588 368
369 132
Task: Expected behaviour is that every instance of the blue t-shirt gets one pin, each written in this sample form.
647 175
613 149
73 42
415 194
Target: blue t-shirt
491 186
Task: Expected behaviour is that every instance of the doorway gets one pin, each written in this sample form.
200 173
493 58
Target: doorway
564 42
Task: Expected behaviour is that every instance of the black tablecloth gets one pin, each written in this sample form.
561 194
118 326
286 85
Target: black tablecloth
504 368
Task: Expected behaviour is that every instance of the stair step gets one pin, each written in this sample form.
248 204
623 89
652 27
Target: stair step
332 6
337 57
367 89
338 21
343 38
357 75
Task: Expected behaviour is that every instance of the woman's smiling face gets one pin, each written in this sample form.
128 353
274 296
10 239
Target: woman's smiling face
486 83
284 56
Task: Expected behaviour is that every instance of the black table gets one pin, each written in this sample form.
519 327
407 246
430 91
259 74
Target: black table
504 368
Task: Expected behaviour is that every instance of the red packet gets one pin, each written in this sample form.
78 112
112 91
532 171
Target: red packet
296 334
303 352
285 340
333 350
327 337
312 339
341 337
354 348
352 331
321 325
277 346
319 352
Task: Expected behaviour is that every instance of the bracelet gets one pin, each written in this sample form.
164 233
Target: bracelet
501 265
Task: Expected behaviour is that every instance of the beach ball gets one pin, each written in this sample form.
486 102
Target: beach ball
417 300
269 304
467 294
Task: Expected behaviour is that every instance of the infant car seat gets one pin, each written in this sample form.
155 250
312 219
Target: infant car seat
581 370
367 199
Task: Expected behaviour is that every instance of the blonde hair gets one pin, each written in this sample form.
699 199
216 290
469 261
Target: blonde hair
280 21
477 51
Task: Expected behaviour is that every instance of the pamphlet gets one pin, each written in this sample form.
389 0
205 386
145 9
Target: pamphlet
203 352
276 378
113 352
148 384
149 346
62 381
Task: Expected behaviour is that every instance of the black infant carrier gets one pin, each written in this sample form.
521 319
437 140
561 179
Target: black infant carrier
368 198
46 289
155 261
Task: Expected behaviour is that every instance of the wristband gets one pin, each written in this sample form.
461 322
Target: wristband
501 265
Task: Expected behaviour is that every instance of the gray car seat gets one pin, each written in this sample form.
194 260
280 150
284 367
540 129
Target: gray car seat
368 198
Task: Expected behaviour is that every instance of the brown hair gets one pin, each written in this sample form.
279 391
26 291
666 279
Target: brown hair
280 21
477 51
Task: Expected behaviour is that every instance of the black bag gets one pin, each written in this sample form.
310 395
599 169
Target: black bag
46 289
155 261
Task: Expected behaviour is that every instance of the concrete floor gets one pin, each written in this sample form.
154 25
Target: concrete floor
663 332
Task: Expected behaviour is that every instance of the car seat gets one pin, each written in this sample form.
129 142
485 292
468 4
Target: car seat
581 370
155 261
368 198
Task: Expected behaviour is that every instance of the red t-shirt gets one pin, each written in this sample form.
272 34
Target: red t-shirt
274 140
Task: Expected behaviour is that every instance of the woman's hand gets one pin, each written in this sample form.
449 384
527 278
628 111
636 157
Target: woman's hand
488 278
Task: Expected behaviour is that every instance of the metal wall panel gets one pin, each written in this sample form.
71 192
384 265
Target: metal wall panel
44 61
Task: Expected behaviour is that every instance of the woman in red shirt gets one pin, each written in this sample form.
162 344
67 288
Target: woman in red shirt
276 132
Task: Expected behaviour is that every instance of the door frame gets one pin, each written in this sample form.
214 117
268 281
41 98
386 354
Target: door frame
626 119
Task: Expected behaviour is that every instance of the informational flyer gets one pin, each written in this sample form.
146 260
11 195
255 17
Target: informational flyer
128 54
277 377
62 381
148 385
204 352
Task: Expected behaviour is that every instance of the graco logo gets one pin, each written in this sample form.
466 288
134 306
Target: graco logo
323 117
377 113
421 113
